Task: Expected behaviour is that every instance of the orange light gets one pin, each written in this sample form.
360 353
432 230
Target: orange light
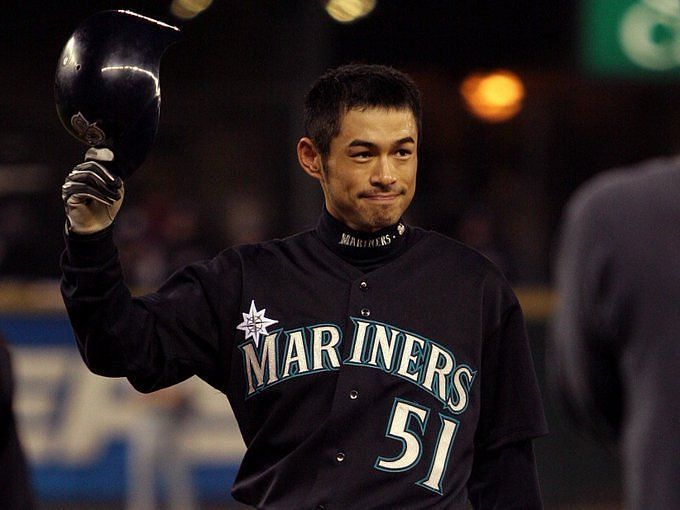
347 11
188 9
493 97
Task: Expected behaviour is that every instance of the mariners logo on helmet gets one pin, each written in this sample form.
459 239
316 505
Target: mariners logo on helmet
90 133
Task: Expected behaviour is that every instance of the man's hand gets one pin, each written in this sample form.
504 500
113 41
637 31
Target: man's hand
92 195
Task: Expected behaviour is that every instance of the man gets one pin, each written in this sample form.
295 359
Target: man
369 364
16 491
615 352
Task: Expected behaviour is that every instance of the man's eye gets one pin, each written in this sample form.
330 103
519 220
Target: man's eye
403 152
361 155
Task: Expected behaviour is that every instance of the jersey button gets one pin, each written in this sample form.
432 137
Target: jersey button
363 286
354 394
320 507
365 312
340 457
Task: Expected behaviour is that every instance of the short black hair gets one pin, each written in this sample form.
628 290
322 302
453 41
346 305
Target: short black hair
355 86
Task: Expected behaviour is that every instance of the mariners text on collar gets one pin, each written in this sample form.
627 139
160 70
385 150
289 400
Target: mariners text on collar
347 239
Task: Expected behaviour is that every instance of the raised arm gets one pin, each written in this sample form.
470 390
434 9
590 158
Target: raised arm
156 340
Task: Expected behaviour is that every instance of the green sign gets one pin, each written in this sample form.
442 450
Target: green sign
631 38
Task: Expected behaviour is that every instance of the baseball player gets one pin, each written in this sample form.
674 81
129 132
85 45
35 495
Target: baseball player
369 363
615 354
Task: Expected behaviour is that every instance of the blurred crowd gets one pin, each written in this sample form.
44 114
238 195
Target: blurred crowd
158 233
157 237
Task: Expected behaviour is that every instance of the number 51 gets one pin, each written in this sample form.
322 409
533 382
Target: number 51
412 446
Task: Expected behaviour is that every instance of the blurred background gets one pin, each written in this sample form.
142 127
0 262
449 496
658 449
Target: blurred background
523 101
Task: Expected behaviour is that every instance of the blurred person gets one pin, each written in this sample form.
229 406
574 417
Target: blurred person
615 349
157 466
16 491
368 363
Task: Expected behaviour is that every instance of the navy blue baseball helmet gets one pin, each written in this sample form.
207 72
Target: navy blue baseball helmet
107 84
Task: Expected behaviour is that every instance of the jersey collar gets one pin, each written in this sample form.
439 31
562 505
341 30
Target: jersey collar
362 249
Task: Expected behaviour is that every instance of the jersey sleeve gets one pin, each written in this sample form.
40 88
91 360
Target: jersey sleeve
511 405
156 340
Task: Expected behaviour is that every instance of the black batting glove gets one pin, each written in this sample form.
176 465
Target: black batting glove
92 195
92 180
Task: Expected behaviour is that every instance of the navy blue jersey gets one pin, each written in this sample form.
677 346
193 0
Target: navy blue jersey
357 381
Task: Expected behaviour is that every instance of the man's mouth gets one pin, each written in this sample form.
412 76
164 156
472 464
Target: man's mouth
381 197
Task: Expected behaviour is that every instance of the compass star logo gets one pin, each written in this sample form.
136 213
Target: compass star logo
255 323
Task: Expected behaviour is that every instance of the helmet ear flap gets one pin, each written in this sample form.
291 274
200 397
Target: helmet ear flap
107 84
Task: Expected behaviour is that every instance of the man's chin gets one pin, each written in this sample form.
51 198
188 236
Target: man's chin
380 221
371 219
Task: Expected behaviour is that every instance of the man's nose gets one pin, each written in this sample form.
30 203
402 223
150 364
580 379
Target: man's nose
383 173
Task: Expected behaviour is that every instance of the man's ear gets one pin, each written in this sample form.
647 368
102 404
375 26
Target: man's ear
309 157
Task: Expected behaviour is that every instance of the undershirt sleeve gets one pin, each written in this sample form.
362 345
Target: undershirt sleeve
506 478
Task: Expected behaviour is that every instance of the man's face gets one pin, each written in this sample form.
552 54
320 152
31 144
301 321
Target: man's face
369 177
